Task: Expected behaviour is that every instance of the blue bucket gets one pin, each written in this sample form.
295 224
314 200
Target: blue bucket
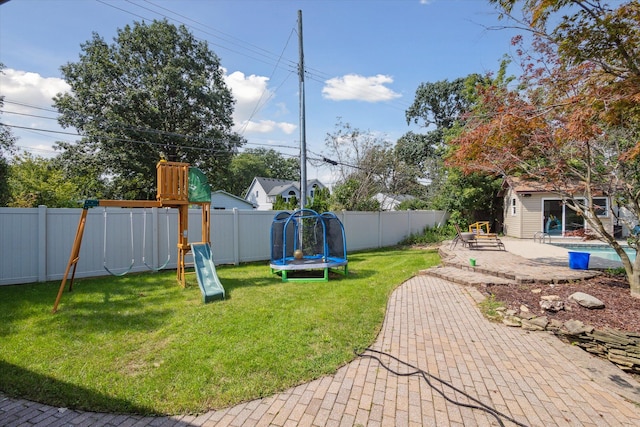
579 260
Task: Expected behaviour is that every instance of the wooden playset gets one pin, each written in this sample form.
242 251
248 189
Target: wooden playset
173 192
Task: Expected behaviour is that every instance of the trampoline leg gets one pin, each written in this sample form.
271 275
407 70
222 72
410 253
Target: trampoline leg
326 274
284 276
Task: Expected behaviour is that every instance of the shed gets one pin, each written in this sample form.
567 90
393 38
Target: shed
531 207
222 200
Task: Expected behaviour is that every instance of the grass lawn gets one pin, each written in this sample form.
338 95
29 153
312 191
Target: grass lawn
142 344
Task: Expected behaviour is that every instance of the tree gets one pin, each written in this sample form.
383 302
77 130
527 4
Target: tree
469 197
442 107
576 126
351 195
366 165
7 146
441 104
87 175
35 181
283 205
412 205
321 200
261 162
156 91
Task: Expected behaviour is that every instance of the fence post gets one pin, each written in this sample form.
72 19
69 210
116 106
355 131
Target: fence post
155 240
379 229
236 236
42 243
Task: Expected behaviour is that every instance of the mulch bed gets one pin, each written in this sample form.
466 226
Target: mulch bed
622 311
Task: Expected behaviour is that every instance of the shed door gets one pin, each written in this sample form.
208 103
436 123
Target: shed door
559 219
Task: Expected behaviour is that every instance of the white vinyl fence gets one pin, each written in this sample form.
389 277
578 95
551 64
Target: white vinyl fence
35 243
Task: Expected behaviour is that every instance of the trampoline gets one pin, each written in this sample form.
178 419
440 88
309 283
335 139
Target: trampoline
305 243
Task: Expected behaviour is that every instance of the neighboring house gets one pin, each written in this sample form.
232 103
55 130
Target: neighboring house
531 207
222 200
263 191
390 202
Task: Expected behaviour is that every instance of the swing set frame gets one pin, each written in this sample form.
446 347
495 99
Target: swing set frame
172 192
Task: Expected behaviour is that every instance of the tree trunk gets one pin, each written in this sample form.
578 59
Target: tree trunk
634 277
632 269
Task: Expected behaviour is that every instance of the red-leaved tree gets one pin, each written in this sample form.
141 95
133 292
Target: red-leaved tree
573 125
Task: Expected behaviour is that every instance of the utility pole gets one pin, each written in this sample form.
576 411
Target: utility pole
303 137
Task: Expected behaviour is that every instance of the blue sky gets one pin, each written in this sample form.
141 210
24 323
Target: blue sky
364 59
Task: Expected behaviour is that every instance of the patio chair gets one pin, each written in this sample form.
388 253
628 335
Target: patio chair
467 239
483 238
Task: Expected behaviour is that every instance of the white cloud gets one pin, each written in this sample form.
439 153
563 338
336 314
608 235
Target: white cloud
22 91
30 88
359 88
252 94
266 126
287 128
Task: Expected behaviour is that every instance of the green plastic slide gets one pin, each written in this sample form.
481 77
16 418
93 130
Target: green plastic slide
208 281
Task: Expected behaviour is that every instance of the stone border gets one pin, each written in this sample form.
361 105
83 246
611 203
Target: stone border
621 348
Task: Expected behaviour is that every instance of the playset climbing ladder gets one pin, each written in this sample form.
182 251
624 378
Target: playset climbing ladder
178 187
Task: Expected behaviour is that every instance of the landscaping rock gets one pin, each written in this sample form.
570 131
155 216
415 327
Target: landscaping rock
554 325
552 305
576 327
535 324
586 300
512 321
527 315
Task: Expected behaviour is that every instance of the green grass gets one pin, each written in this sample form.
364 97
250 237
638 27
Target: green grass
489 307
142 344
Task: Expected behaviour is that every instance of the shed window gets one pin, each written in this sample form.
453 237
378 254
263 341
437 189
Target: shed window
513 206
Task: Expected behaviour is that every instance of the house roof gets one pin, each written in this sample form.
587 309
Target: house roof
233 196
274 186
394 197
269 183
522 185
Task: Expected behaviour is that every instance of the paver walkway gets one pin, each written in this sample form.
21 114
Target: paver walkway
531 378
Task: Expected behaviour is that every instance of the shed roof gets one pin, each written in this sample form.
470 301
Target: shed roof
523 185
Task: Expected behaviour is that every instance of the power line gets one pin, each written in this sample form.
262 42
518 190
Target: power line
290 66
122 126
257 106
278 61
116 139
264 55
40 130
241 43
27 115
8 101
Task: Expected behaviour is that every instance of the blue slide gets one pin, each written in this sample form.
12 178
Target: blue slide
206 271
